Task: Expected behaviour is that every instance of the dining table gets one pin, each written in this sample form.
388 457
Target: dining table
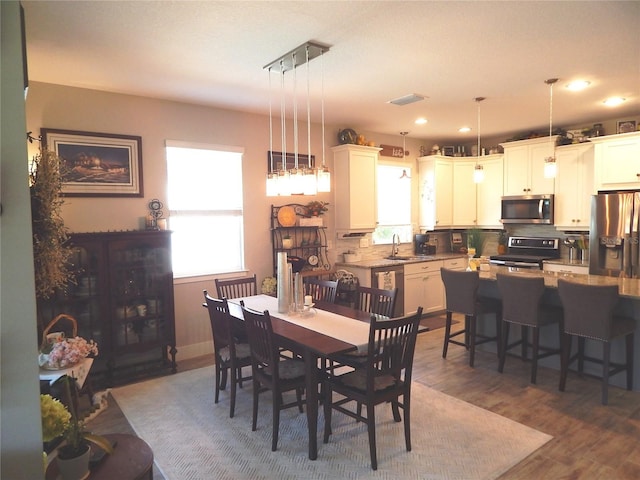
319 333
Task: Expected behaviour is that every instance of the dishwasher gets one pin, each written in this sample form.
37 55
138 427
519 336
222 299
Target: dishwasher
399 283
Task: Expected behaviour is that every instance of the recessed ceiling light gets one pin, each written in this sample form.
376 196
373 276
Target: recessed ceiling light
578 85
420 121
407 99
464 129
613 101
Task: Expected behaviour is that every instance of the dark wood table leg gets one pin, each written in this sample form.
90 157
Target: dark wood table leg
312 402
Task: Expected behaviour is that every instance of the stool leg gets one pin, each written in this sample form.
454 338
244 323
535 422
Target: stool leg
629 352
472 338
525 341
447 334
581 354
605 372
534 354
503 350
565 353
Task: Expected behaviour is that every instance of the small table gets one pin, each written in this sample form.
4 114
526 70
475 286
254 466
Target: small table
132 459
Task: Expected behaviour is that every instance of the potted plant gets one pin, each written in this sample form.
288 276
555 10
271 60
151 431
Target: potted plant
314 211
58 420
51 252
316 208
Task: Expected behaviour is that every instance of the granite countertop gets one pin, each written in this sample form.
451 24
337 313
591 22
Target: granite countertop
384 262
628 287
573 263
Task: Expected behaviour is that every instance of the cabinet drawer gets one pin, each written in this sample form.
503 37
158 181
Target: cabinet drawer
456 264
422 267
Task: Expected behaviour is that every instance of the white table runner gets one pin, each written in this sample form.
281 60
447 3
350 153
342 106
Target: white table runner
333 325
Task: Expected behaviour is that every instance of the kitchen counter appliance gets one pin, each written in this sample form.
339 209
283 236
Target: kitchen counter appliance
422 245
528 252
537 209
614 235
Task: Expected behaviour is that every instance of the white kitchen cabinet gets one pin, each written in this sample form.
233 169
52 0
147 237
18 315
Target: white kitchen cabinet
617 161
459 263
436 192
574 186
423 287
524 166
464 193
355 178
489 192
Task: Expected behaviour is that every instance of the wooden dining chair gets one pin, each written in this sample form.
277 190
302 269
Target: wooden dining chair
230 355
386 377
376 300
237 287
270 370
321 290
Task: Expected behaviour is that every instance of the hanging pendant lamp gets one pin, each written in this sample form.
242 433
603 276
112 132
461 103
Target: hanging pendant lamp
404 154
478 170
302 179
550 167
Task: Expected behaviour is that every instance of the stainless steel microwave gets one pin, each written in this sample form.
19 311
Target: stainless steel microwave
528 209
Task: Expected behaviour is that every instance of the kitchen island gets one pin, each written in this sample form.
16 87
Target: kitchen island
629 289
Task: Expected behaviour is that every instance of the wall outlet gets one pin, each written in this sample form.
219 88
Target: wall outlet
364 242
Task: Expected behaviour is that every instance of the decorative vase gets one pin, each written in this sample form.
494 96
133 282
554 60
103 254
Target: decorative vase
76 468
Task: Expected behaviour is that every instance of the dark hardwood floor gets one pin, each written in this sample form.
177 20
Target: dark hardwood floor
591 441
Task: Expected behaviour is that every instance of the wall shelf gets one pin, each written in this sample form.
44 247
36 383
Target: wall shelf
307 242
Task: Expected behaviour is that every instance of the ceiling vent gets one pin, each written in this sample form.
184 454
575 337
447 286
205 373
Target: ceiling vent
407 99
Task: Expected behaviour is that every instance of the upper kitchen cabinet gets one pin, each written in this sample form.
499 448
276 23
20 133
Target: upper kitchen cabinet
464 193
617 161
355 178
524 166
574 186
489 192
436 192
477 204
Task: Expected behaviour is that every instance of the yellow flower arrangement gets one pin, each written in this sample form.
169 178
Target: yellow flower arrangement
55 417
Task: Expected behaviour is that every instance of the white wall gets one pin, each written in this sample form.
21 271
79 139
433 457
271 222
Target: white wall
21 436
60 107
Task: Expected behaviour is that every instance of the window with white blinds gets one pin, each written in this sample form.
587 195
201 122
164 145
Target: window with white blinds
205 208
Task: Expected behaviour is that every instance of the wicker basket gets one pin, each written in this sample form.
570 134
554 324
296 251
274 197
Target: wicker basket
43 358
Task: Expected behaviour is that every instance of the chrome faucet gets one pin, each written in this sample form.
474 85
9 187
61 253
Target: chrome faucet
395 244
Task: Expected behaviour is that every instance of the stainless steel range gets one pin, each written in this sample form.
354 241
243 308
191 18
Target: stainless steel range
528 252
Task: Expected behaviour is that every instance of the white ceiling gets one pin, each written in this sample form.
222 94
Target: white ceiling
213 53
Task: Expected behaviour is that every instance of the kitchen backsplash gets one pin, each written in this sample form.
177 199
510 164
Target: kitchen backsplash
442 240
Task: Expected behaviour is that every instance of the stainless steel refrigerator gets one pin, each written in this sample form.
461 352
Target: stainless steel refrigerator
613 236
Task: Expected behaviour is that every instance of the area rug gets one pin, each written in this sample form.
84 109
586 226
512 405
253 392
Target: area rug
194 439
434 322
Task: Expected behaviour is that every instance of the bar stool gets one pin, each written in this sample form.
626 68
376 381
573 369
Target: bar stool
589 314
521 305
461 289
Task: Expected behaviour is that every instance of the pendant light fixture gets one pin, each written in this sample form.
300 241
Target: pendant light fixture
550 167
478 170
301 179
404 175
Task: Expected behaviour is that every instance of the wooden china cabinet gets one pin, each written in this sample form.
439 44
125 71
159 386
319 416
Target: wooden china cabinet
122 299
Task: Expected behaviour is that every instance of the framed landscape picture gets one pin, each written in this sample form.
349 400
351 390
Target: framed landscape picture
97 164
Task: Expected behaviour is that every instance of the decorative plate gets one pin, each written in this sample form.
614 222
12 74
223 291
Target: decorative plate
287 216
347 135
313 260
